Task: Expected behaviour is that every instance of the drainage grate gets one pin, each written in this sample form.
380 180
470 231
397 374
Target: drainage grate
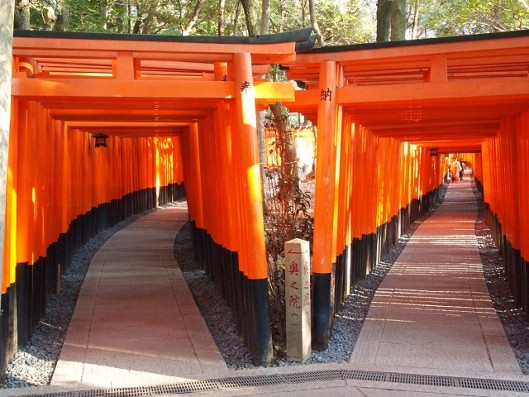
129 392
429 380
251 381
492 384
365 375
302 377
318 376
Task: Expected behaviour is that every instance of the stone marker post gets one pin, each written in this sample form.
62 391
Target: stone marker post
297 299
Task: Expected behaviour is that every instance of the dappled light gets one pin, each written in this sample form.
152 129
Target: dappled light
435 302
390 123
434 299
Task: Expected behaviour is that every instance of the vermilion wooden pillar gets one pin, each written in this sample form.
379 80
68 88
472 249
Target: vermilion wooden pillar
192 172
253 261
324 205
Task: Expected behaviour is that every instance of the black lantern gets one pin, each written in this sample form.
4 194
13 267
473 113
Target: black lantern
101 139
433 152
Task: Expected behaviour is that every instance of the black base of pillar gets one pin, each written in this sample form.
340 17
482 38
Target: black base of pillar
262 347
321 316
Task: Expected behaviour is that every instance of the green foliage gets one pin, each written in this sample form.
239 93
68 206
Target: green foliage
439 18
288 15
341 21
346 22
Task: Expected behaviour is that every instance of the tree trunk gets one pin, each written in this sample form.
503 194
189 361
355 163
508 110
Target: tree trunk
193 18
21 18
123 16
391 20
261 115
415 19
398 20
236 18
48 14
63 17
383 19
7 19
314 23
149 20
288 152
249 12
265 17
220 22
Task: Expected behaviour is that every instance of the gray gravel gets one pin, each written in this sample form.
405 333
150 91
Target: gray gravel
34 364
512 318
219 318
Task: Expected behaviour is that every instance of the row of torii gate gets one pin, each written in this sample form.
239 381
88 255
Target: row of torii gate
180 116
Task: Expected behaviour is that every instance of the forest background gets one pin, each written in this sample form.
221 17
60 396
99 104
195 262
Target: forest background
337 22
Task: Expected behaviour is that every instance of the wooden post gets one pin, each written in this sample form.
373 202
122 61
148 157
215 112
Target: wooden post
324 204
297 299
253 260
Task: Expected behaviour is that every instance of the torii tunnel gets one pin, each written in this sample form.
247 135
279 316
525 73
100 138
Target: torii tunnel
180 116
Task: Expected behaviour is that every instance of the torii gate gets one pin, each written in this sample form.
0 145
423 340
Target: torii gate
387 115
448 95
173 109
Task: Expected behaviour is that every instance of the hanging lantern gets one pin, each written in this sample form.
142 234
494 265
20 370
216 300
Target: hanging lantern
101 139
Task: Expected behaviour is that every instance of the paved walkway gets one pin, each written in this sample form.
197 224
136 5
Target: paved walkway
136 324
135 321
432 313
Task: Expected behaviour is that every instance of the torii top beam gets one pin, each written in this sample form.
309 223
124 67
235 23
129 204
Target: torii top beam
409 89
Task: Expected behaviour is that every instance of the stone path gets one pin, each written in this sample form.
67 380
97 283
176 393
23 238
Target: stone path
432 313
135 321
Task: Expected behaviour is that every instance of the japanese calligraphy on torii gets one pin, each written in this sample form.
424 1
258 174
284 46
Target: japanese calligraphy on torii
326 95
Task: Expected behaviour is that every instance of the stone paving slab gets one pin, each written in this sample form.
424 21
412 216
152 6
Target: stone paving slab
432 311
136 322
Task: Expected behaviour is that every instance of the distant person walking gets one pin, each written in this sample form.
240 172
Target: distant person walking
455 169
462 164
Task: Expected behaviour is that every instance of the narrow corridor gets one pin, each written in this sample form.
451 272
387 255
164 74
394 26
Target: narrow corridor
432 313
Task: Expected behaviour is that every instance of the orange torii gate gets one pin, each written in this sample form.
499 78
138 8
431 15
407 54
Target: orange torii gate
181 111
388 115
174 110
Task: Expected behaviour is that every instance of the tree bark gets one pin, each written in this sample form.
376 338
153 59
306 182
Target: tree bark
149 20
391 20
398 20
265 17
220 22
314 23
236 18
383 20
249 12
7 19
48 14
193 18
416 5
21 17
63 17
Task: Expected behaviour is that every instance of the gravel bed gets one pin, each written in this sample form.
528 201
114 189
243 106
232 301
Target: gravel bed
33 365
512 318
346 325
